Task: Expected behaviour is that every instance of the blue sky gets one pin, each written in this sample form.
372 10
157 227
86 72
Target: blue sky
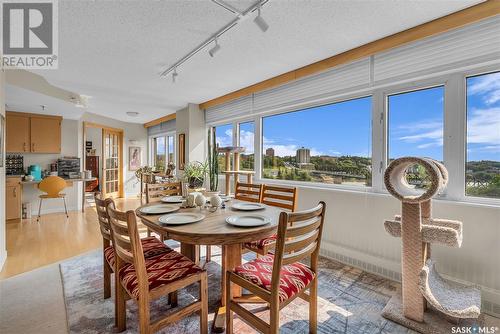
415 125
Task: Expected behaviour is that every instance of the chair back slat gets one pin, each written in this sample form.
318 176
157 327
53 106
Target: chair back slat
299 237
281 197
301 228
102 215
248 192
297 256
155 191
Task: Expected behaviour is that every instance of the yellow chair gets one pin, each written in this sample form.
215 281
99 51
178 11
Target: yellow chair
52 186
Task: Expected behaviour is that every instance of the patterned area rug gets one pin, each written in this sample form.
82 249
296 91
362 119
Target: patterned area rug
350 301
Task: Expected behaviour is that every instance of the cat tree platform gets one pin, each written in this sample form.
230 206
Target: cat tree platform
236 172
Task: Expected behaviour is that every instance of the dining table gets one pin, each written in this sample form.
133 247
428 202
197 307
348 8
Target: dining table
214 230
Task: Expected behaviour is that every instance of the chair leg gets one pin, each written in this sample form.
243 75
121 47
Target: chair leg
204 304
39 210
313 306
120 306
274 323
172 299
144 326
208 256
107 279
229 297
65 207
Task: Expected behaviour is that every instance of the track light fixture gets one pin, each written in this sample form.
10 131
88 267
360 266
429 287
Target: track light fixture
260 22
215 49
174 75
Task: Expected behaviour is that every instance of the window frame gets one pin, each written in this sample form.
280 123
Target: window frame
454 130
152 152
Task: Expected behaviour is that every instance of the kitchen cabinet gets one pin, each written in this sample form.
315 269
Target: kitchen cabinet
17 133
13 198
32 133
45 135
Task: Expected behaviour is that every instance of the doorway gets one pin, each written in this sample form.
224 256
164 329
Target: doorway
103 151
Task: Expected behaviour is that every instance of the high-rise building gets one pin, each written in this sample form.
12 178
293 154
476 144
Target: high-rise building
303 156
270 152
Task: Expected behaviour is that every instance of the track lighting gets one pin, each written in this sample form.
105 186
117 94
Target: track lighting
215 49
260 22
174 75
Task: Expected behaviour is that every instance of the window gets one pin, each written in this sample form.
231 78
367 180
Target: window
223 138
246 140
326 144
163 152
416 128
482 171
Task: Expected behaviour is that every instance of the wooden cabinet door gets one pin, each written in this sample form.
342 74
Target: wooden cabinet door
17 133
45 135
13 202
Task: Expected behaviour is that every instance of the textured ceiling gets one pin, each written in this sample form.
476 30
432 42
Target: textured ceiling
113 51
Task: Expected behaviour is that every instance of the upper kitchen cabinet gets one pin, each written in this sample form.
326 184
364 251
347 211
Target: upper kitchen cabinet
17 133
45 134
33 133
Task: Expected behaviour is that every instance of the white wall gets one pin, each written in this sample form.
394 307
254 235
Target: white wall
3 246
191 122
131 132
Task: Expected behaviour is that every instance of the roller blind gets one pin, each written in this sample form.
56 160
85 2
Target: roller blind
162 128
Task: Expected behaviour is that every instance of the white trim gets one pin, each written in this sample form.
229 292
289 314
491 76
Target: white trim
3 258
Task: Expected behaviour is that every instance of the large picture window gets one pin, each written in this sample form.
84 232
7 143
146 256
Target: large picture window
482 170
416 128
325 144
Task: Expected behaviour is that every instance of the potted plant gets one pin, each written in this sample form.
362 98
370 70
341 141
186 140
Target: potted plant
194 173
145 174
213 168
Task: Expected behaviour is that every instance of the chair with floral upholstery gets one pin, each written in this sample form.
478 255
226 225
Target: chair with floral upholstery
280 278
145 279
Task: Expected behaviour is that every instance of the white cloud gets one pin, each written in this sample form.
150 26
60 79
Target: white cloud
226 139
483 126
487 85
287 150
426 134
247 141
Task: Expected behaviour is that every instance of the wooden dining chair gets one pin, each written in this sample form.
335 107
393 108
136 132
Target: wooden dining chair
151 246
155 191
281 197
280 278
144 279
249 192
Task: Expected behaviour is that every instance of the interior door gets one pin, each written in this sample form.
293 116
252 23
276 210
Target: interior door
112 162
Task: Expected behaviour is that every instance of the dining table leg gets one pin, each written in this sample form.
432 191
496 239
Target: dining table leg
231 258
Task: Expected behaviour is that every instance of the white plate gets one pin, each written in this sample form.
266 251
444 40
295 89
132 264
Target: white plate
181 218
158 209
172 199
248 206
248 220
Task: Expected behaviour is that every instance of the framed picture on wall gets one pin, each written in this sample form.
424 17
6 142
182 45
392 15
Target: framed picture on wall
2 140
134 158
182 151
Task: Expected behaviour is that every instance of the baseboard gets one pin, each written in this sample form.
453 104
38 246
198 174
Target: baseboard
392 270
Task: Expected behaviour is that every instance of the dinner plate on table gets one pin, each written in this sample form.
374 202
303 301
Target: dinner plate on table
248 206
181 218
248 220
172 199
158 209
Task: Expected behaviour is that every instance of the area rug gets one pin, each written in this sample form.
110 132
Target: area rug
350 301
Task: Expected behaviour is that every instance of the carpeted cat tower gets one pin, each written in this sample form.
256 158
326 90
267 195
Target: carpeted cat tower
428 302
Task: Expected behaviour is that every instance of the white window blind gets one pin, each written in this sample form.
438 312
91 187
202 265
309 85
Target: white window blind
163 127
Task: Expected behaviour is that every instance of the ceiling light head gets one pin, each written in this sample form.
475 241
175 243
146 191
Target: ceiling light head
132 113
260 22
174 75
215 49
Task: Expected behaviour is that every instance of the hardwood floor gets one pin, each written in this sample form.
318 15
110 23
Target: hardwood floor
31 245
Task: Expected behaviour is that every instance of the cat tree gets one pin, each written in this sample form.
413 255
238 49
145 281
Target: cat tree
421 283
